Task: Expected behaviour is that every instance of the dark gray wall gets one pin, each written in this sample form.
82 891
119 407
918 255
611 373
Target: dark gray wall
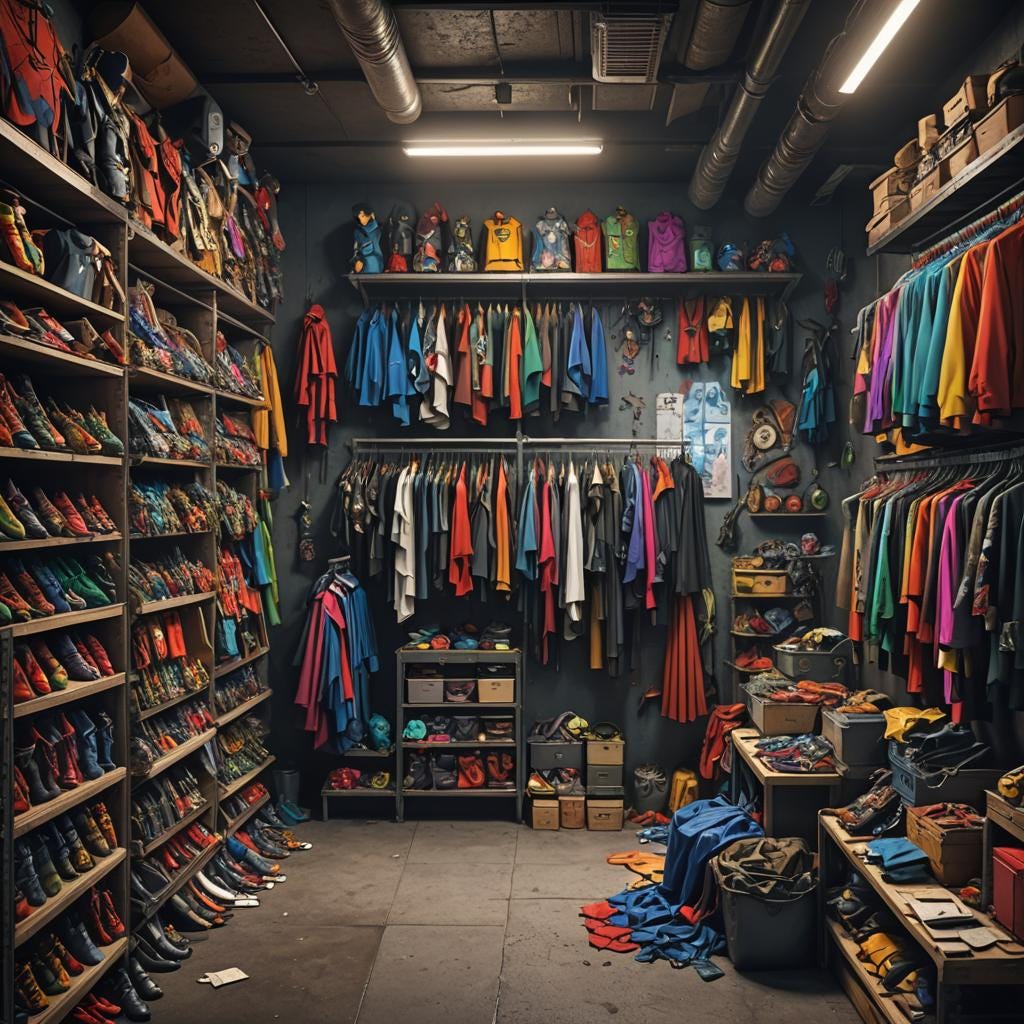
316 222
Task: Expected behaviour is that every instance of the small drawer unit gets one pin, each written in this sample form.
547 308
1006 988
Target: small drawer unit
605 815
604 775
548 754
424 689
496 689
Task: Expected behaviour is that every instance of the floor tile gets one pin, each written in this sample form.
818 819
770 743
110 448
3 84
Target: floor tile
578 879
465 894
470 842
434 974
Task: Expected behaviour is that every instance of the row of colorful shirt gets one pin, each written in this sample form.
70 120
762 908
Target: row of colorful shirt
520 360
590 549
943 348
931 573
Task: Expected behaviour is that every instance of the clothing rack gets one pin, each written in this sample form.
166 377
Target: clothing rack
956 457
976 227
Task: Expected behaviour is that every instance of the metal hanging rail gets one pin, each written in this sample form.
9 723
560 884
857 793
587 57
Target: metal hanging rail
978 456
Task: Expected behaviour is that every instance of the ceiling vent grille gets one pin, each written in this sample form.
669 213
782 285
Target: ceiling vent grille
627 47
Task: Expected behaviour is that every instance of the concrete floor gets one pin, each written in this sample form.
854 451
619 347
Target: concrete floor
459 923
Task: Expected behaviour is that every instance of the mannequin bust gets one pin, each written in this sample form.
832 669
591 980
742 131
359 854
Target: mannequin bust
551 242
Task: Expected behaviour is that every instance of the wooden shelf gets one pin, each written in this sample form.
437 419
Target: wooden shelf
243 780
234 824
60 1006
89 790
193 815
244 708
561 283
413 654
230 396
53 360
744 740
170 535
236 467
747 671
788 515
74 691
768 598
359 791
194 866
982 179
38 455
147 251
66 620
15 282
227 667
174 756
142 379
363 753
153 460
58 542
148 607
69 892
880 999
180 699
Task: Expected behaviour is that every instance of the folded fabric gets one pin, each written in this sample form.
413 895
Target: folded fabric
900 721
901 861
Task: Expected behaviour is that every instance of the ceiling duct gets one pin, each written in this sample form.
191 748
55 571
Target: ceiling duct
716 27
816 108
371 29
626 48
719 156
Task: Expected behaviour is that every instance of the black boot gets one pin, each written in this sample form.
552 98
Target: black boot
122 991
143 983
151 960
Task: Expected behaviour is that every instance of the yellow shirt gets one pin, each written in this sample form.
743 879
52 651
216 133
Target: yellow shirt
503 248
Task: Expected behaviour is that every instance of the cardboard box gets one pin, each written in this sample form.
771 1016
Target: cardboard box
928 131
773 718
916 197
544 814
755 582
954 853
999 122
881 224
605 751
908 155
496 689
970 100
963 155
605 815
426 690
933 181
572 811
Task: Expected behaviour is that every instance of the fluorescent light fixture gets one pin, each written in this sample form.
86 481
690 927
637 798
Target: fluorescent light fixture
878 45
503 147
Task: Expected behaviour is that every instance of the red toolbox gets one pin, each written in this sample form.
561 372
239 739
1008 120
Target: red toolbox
1008 888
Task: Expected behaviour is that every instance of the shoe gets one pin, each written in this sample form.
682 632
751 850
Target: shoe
146 987
91 835
80 856
56 673
149 959
11 526
33 597
72 660
16 605
49 516
100 1007
157 935
92 524
88 744
21 690
74 519
33 670
300 814
71 964
49 878
111 919
76 437
25 875
539 786
99 654
108 525
11 417
38 778
27 991
20 506
111 444
34 415
59 852
77 939
26 258
105 742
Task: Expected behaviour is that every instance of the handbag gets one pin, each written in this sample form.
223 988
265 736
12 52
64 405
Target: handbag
465 728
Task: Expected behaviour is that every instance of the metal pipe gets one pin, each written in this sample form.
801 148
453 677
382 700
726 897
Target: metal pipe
716 27
718 158
371 29
816 108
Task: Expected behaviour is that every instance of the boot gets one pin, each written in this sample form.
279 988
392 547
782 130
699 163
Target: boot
59 852
33 670
99 812
49 879
80 856
28 992
56 673
105 739
123 992
76 938
41 784
94 916
22 691
71 964
74 665
99 654
85 730
111 918
147 957
142 982
91 834
25 876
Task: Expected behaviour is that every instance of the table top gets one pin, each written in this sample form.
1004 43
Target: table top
743 741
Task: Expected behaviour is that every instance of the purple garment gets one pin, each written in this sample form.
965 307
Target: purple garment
949 575
879 410
635 554
666 244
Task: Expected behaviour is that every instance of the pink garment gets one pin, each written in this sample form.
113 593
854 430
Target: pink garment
650 542
307 694
949 576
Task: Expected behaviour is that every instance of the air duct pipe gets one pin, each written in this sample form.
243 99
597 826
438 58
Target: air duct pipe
816 108
371 29
719 156
716 27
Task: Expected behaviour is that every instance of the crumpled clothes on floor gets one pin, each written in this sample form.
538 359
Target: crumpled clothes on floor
670 921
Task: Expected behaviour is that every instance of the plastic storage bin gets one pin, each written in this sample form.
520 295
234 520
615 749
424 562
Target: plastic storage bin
773 718
545 754
858 740
966 786
769 935
821 666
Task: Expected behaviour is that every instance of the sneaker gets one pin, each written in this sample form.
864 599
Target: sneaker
11 526
56 525
23 510
74 519
77 437
19 433
34 415
14 602
96 421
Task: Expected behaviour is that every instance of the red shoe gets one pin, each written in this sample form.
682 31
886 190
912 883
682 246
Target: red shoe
97 928
115 926
21 801
168 860
101 515
99 653
34 673
22 691
84 654
10 597
83 1015
66 507
28 587
100 1005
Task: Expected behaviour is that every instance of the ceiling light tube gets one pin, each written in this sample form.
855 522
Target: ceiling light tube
878 45
503 147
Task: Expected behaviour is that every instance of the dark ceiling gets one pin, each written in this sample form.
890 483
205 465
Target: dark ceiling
339 133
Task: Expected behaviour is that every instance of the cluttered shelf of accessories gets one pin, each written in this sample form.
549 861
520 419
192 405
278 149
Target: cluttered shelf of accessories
66 191
992 966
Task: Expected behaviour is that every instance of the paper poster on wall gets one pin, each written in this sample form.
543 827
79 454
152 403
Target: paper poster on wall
705 412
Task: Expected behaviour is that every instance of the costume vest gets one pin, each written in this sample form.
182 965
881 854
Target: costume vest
666 245
366 247
551 243
587 243
622 241
503 247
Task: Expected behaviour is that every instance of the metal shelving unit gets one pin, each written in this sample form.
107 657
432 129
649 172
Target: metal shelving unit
461 660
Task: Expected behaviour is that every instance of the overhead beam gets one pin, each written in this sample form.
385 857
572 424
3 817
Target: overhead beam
524 73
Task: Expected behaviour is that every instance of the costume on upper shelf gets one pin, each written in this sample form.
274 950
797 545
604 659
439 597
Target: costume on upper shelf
666 244
400 239
367 256
503 243
461 254
621 240
431 240
587 243
551 242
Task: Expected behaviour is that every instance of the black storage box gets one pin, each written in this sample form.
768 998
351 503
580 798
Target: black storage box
547 754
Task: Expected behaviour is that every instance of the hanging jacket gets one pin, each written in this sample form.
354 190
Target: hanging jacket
621 241
514 365
314 382
587 243
532 366
268 422
399 384
434 407
503 245
666 245
579 367
170 171
463 394
692 346
149 199
598 393
482 350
